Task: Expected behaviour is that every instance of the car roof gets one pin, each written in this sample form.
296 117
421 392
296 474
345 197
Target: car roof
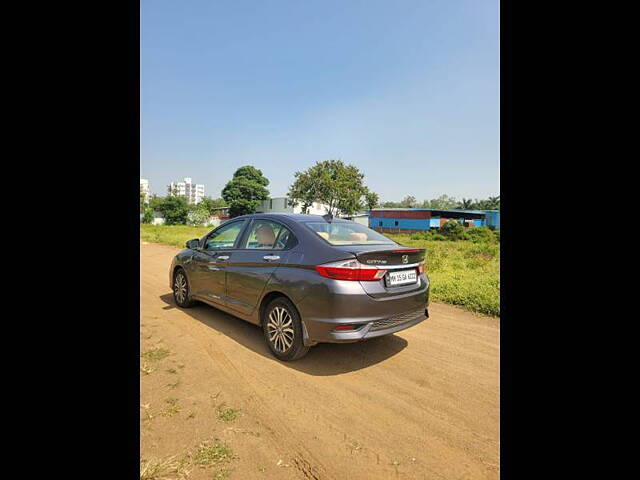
297 217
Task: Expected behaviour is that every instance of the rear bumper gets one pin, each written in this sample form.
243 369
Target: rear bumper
373 317
325 333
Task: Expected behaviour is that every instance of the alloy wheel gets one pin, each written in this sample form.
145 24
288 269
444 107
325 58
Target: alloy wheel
280 329
180 287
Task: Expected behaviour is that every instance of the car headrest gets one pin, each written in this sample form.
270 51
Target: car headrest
358 236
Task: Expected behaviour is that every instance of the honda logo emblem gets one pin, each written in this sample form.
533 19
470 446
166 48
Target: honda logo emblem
405 258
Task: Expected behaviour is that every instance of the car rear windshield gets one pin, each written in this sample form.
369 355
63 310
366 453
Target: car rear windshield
348 234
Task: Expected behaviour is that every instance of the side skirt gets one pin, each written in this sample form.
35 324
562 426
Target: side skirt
225 309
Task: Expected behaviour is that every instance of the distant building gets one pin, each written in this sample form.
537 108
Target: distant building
407 220
281 205
361 218
144 189
194 193
220 212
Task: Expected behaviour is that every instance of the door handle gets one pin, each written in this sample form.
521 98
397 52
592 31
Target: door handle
271 258
222 257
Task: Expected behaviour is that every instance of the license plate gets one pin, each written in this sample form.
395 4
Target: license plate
402 277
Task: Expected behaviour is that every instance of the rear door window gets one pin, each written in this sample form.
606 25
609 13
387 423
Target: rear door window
268 235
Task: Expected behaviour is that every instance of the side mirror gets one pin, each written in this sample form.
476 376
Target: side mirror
193 244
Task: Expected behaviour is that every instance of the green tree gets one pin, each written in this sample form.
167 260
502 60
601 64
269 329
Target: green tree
466 204
492 203
332 182
443 202
245 191
211 204
371 200
148 215
408 202
173 209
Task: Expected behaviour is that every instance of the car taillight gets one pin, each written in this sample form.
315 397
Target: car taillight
420 268
350 270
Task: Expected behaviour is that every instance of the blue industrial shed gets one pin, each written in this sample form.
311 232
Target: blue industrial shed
416 219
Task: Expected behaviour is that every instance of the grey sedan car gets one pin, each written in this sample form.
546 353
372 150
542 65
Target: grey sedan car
304 279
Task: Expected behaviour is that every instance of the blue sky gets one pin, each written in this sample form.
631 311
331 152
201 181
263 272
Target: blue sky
408 91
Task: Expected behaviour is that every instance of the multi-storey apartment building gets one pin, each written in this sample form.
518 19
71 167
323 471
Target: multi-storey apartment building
194 193
144 189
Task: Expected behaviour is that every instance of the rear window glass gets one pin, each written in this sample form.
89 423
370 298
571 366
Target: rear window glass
348 234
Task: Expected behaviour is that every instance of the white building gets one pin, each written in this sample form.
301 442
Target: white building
361 218
281 205
144 189
193 192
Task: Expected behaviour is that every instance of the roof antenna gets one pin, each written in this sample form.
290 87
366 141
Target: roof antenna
328 217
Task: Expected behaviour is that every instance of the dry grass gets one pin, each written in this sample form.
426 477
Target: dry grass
227 414
167 469
212 453
156 354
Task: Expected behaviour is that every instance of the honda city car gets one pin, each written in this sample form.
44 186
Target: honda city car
304 279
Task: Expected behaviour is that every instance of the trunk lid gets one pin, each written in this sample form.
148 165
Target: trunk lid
381 255
387 256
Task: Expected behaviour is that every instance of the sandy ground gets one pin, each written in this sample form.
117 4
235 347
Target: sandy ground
419 404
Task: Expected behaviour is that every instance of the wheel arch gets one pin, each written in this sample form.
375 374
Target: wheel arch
272 295
268 298
177 267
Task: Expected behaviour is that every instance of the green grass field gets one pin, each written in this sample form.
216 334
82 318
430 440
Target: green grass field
461 272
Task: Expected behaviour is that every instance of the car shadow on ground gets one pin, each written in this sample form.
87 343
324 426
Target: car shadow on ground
324 359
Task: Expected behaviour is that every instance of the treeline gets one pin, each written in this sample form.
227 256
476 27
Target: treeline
177 211
444 202
241 195
334 183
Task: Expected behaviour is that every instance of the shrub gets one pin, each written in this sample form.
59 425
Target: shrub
452 229
148 215
479 234
198 215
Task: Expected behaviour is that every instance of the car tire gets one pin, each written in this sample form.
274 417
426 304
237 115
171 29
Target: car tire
282 328
181 291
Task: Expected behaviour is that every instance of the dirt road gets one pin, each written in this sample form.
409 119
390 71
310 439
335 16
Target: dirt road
419 404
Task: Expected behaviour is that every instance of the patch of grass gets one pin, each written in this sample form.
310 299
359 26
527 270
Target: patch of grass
163 469
228 414
212 453
175 235
156 354
462 273
172 409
